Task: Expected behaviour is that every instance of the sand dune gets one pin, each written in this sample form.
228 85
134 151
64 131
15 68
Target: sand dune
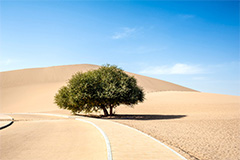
31 90
41 75
63 73
198 125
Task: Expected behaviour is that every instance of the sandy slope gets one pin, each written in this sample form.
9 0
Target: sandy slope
31 90
63 73
199 125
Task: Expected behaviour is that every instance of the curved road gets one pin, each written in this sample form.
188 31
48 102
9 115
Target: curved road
50 137
47 137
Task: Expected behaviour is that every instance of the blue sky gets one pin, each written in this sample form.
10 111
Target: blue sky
191 43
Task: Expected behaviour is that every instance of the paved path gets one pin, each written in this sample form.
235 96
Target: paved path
129 144
58 138
33 137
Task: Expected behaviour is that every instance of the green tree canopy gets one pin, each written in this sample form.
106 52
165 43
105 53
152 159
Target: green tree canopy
104 88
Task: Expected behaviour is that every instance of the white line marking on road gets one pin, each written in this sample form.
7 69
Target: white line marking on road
153 139
109 152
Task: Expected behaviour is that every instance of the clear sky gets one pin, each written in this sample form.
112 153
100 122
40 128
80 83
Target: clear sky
191 43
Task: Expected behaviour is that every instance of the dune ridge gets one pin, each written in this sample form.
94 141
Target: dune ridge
63 73
33 90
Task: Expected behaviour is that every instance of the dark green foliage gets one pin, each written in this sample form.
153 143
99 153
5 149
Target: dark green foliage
106 87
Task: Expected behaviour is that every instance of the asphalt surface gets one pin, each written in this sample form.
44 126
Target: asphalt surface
46 137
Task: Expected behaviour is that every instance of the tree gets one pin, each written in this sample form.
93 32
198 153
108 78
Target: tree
104 88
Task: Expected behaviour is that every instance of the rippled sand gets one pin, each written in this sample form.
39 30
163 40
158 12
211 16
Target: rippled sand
207 126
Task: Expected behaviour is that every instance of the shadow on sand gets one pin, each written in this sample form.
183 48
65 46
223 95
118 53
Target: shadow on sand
137 117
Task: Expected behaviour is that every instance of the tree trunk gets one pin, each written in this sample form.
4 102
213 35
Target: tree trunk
111 110
105 111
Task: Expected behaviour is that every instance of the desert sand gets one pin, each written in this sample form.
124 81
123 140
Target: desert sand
197 125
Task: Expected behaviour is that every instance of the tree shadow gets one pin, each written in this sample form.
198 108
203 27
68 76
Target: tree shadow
137 117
